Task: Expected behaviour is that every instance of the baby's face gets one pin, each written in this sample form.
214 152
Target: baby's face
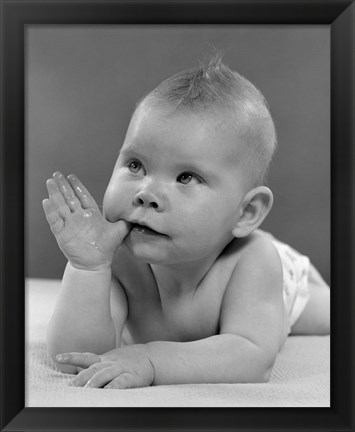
178 180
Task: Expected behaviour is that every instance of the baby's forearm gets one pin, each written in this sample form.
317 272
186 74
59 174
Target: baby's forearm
217 359
82 317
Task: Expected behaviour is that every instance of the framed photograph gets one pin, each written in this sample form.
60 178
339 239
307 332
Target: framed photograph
72 73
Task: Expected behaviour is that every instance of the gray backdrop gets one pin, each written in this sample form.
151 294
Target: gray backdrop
83 82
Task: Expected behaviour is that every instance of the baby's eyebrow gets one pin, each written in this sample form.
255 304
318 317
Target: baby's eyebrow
130 152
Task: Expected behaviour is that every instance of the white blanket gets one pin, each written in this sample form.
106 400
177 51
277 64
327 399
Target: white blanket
300 378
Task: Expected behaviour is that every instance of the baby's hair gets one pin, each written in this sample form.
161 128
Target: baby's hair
212 86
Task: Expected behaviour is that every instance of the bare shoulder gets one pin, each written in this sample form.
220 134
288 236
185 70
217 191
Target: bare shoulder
261 247
247 259
255 272
259 261
258 248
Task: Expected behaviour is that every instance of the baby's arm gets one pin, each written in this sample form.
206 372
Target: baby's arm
252 330
82 317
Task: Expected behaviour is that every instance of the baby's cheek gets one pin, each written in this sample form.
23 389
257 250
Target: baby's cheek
195 224
116 202
204 225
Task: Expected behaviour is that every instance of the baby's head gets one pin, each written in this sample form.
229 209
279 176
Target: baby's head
189 176
212 90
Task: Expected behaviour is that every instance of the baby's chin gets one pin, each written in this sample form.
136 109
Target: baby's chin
151 255
145 253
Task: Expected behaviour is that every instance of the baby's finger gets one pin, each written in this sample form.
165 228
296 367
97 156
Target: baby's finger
53 218
54 192
83 360
87 201
124 381
67 191
57 199
104 376
84 376
50 210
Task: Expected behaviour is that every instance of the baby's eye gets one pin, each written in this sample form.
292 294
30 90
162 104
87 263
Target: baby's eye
186 178
134 166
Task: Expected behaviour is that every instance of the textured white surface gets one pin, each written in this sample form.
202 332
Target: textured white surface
301 375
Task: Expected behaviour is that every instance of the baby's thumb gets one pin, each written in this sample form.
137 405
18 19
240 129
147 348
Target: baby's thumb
120 230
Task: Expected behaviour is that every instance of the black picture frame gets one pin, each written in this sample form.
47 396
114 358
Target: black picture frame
15 16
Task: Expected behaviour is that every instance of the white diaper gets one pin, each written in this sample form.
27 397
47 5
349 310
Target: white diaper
296 268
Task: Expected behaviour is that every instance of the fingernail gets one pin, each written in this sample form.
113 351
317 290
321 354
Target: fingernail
61 357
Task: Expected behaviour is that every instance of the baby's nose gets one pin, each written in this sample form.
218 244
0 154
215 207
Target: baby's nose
146 198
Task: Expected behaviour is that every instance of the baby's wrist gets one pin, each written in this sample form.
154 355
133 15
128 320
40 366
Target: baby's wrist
100 268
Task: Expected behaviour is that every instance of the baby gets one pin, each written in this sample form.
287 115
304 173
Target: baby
174 283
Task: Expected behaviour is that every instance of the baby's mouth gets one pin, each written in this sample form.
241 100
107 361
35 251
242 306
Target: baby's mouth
144 229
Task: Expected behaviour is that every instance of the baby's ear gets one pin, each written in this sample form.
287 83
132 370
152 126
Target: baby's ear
255 207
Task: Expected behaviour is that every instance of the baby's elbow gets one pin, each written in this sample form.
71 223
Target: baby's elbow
261 375
264 375
263 367
256 371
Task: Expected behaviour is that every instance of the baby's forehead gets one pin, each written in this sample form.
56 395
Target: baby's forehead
225 130
221 120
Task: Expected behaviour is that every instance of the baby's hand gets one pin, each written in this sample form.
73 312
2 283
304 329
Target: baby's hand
85 237
122 368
